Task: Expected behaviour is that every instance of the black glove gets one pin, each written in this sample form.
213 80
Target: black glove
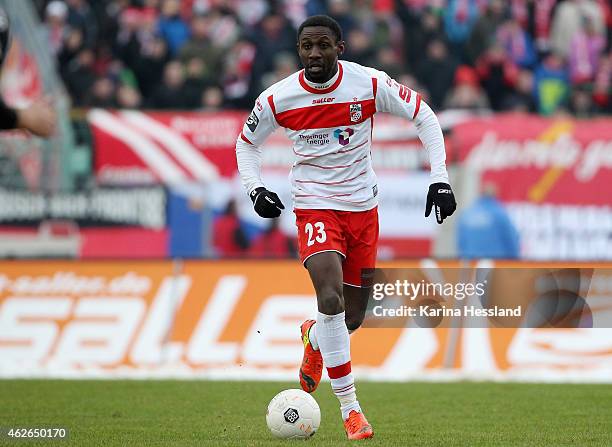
266 203
441 195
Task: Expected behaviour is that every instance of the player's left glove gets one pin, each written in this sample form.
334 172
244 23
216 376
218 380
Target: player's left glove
441 196
266 203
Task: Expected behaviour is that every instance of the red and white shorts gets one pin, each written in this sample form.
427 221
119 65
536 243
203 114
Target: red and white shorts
353 234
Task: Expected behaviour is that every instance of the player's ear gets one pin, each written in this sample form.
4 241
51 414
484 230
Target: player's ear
340 46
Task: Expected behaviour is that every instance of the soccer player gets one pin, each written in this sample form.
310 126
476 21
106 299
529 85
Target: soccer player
38 118
327 111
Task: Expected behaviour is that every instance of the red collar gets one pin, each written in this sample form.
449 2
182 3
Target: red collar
322 91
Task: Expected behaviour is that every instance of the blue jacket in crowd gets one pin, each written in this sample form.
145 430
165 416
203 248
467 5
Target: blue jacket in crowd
486 231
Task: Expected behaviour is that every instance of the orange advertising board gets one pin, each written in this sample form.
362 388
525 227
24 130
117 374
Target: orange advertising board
240 319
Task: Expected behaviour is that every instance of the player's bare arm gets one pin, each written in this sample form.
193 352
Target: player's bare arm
39 118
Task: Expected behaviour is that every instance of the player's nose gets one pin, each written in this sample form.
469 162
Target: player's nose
315 54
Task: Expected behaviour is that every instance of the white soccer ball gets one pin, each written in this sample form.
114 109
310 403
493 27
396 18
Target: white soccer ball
293 414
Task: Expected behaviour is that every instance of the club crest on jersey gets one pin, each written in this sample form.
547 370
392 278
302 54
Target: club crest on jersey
343 135
355 110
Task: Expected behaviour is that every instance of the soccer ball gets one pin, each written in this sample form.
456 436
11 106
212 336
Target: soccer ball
293 414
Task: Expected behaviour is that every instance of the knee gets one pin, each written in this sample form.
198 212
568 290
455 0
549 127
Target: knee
330 301
353 322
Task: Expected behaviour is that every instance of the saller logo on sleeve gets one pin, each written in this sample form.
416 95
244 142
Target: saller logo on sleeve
252 121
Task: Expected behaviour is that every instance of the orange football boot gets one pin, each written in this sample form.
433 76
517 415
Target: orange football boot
357 426
312 362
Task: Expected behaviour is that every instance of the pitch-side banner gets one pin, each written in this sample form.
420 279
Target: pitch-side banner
540 160
239 320
554 176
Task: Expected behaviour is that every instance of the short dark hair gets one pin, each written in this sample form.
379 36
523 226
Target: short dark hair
322 20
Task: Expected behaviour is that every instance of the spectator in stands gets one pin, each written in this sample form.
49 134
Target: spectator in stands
421 26
55 29
485 230
517 44
127 44
195 81
225 29
387 61
497 73
284 65
603 79
171 94
273 35
568 20
485 29
436 72
79 76
229 239
200 46
459 19
272 243
128 97
237 78
581 102
467 93
239 43
172 27
341 11
314 7
149 23
521 98
384 26
250 12
551 84
149 65
72 45
82 17
212 99
359 48
102 94
534 16
586 48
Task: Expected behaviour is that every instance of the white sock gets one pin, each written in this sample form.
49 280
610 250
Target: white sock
334 342
312 336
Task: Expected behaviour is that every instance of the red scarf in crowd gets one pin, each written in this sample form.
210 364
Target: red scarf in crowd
543 11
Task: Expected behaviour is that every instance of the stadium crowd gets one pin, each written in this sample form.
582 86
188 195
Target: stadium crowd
544 56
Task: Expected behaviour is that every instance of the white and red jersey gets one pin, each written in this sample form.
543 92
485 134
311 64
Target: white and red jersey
330 126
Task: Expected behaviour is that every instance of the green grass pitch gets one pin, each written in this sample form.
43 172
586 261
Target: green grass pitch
197 413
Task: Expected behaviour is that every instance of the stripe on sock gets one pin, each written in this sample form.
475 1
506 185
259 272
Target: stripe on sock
335 372
343 389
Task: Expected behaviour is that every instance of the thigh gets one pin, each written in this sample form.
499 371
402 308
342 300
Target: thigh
362 241
319 231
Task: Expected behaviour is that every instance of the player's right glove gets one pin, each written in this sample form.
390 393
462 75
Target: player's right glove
440 196
266 203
